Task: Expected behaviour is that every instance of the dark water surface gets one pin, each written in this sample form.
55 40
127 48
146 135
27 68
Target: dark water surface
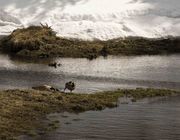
147 120
96 75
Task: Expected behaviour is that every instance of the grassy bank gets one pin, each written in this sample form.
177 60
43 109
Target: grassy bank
42 42
22 111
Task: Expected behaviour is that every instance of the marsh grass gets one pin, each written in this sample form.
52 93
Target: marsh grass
23 111
42 42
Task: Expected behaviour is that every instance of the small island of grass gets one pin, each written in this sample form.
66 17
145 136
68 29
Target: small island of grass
42 42
22 111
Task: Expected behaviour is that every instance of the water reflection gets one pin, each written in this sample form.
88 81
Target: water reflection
96 75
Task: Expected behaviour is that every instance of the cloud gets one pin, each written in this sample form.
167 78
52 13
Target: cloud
105 19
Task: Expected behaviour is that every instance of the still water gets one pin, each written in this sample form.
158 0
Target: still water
155 119
145 120
96 75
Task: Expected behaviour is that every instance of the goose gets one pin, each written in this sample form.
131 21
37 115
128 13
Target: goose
55 64
70 86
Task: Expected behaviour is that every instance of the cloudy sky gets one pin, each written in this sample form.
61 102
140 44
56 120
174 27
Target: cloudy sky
94 19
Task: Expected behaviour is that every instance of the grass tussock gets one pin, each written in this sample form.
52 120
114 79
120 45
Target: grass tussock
22 111
141 46
42 42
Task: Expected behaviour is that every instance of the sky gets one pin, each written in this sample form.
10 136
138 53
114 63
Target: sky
94 19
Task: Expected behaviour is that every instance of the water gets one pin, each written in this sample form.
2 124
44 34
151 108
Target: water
147 120
96 75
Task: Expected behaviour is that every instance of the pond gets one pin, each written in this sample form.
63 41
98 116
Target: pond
155 119
92 76
148 119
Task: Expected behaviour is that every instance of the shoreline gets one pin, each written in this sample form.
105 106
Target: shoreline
22 111
41 42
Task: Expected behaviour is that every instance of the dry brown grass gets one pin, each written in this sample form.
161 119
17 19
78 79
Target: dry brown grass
22 111
42 42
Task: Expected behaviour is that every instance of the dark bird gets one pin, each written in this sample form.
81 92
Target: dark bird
70 86
55 65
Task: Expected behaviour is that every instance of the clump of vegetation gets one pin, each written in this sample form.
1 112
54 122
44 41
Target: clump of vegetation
42 42
140 93
31 38
140 46
22 111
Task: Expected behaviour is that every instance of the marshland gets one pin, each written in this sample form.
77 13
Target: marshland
23 111
131 75
42 42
